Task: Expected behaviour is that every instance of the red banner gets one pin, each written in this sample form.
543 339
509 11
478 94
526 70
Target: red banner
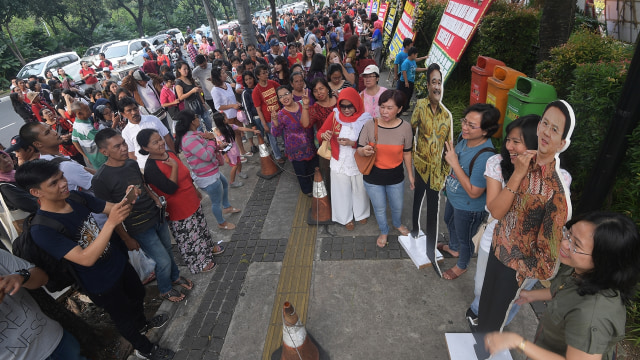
457 26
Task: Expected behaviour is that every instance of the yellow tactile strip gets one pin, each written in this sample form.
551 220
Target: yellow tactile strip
295 276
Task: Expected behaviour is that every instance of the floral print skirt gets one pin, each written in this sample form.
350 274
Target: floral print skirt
194 240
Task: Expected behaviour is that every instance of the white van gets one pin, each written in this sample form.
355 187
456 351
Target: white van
69 61
124 52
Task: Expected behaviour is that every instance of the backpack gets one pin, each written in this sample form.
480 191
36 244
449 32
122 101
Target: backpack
61 272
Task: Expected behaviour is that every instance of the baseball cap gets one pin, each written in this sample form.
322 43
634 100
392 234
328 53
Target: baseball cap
106 70
16 143
371 69
140 76
274 42
145 55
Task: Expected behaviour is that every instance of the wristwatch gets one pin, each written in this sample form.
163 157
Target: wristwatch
26 274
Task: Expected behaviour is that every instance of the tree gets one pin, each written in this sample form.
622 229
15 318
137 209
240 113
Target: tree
9 9
274 15
246 27
213 24
556 24
137 15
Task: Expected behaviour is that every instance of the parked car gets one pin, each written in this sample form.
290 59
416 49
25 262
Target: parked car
125 52
91 55
157 40
69 61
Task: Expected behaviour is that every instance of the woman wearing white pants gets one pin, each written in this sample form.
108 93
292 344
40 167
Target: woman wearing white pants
342 127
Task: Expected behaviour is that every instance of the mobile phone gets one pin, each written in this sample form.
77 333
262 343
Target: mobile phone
130 196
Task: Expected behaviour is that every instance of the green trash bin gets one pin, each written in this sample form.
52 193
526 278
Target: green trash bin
529 96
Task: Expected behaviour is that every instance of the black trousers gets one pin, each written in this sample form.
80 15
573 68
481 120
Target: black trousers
498 290
408 91
211 105
124 303
432 207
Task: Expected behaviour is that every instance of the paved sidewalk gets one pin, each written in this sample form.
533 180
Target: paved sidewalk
363 302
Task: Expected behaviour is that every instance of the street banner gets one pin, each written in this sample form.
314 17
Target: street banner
374 7
391 19
403 30
382 11
369 4
457 26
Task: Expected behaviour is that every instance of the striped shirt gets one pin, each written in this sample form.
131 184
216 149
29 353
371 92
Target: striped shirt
84 134
201 156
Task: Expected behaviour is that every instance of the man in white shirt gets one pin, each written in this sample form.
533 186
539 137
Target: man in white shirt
202 73
149 97
129 108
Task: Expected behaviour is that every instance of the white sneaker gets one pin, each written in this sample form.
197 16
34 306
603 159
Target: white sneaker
236 184
243 175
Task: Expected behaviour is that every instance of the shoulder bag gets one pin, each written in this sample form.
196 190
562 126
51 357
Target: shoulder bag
325 148
365 163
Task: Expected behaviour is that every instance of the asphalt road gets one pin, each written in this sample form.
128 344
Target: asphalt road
10 122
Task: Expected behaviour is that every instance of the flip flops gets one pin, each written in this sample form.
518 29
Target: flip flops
173 295
446 253
230 210
451 275
184 282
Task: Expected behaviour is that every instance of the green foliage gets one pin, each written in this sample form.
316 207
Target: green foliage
633 320
583 46
586 21
508 33
594 93
428 15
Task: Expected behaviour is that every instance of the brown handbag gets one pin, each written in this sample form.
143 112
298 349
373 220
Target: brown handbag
365 163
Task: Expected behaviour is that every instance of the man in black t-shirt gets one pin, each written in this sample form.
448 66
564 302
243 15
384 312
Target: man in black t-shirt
100 263
143 228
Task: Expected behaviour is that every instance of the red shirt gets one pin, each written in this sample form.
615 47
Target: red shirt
295 59
105 63
182 198
91 79
266 98
36 107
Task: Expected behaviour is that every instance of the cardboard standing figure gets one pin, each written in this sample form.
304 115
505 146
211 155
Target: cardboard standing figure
432 125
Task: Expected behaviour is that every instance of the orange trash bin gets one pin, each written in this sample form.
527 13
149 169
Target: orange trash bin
480 72
498 86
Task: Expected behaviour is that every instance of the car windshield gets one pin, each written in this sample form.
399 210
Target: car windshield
31 69
92 51
116 51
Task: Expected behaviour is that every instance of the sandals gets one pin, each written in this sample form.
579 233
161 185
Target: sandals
363 221
184 282
451 274
220 249
403 230
210 266
230 210
383 243
281 161
226 226
446 252
350 226
173 295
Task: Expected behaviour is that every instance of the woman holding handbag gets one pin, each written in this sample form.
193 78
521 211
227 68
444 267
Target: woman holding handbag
188 91
389 140
341 128
169 177
298 140
323 106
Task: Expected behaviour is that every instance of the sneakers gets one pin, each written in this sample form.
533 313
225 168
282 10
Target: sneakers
243 159
472 319
248 154
243 175
236 184
157 353
156 322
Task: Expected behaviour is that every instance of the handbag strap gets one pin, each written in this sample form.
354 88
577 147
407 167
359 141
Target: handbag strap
375 130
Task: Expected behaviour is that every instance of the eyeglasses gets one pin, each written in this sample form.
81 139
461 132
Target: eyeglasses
284 95
347 107
566 234
465 122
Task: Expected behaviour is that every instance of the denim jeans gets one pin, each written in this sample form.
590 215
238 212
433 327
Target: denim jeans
68 349
462 225
156 242
206 123
274 144
379 195
219 195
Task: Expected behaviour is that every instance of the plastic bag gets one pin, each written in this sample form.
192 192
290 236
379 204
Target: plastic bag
143 264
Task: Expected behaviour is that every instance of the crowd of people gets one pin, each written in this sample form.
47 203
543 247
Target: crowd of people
107 163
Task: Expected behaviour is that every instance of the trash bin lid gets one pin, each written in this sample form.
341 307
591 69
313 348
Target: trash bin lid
533 91
504 77
485 65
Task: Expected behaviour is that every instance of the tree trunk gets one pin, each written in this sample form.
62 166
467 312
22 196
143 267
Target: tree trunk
274 16
246 27
213 24
13 47
556 24
139 18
